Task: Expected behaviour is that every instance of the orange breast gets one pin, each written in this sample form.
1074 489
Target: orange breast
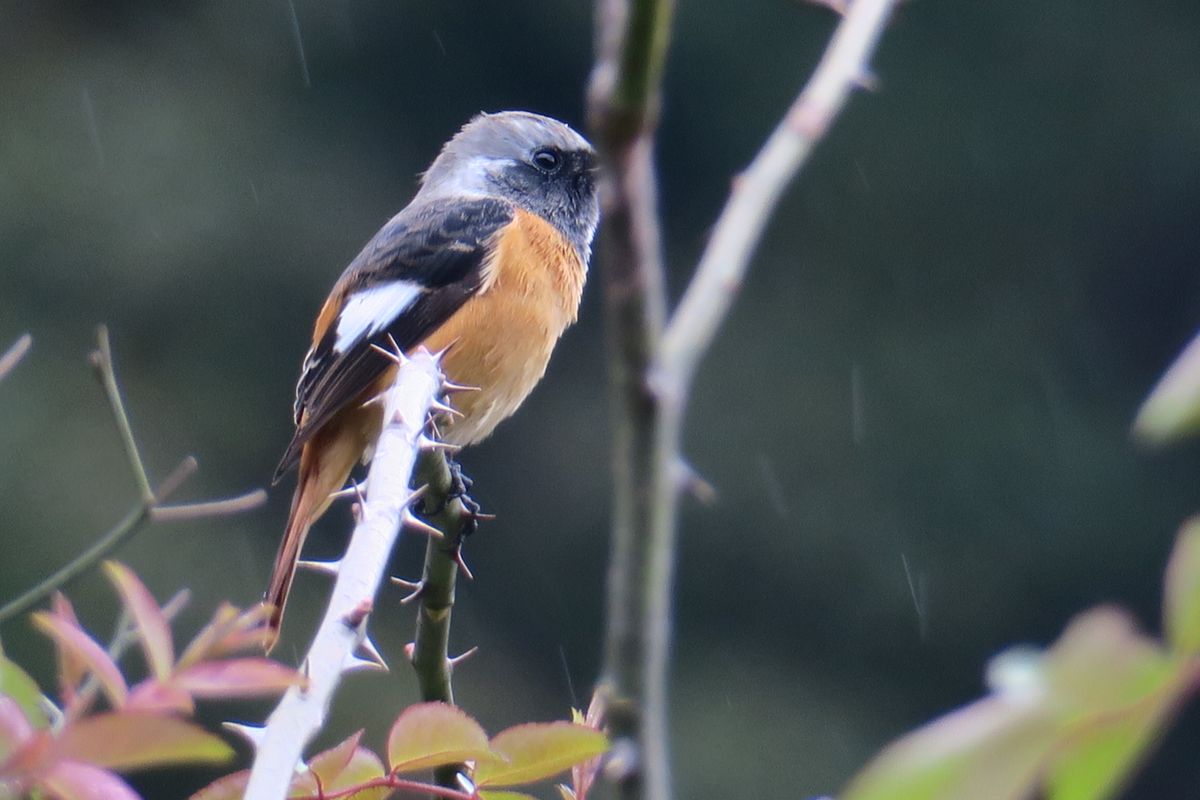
501 339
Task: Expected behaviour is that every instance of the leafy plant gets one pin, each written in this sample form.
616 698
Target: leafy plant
1067 723
71 750
429 735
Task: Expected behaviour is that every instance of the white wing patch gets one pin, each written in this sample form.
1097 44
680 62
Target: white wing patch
371 310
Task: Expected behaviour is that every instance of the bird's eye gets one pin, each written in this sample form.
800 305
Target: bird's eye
546 160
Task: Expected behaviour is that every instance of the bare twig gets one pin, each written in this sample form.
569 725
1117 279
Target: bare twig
125 636
756 192
13 355
102 361
209 508
652 365
147 510
301 712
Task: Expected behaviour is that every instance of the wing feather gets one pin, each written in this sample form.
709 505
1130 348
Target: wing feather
439 252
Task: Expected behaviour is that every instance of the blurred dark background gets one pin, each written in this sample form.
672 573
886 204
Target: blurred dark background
916 418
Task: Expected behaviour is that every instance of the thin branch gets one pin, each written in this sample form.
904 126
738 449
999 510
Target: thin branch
13 355
652 367
102 361
757 191
147 510
301 713
125 636
209 508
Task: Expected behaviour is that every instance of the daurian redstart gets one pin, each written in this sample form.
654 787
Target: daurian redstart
488 260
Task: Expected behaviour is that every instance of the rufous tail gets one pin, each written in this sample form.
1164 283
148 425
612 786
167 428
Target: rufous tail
299 521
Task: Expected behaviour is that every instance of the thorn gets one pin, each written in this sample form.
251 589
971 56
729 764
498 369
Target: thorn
354 489
433 426
356 617
356 511
417 493
413 521
449 387
458 659
323 567
425 443
372 652
462 565
354 663
687 479
400 360
396 348
865 79
405 584
254 734
409 650
415 594
479 516
398 419
445 408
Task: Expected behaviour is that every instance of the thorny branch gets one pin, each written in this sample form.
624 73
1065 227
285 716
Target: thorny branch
301 713
149 508
652 365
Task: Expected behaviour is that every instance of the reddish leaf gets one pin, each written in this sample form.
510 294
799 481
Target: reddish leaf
31 759
159 698
364 766
328 764
342 768
199 648
432 734
238 677
148 618
15 729
70 636
71 668
69 780
539 750
230 787
130 740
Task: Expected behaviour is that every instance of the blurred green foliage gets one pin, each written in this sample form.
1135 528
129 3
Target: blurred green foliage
933 369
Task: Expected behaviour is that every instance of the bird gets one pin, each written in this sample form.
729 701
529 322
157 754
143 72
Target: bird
487 262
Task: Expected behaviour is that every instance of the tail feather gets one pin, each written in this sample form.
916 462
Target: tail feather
285 565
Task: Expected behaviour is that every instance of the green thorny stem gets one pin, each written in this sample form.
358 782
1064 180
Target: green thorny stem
431 646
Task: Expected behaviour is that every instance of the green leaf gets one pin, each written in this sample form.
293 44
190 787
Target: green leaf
16 684
152 626
433 734
988 750
132 740
73 781
328 764
539 750
70 636
1173 408
364 766
1071 721
1181 594
1115 687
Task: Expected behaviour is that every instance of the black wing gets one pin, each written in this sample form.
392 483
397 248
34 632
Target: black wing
441 248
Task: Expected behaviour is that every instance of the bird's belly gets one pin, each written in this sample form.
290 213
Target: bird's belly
500 342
